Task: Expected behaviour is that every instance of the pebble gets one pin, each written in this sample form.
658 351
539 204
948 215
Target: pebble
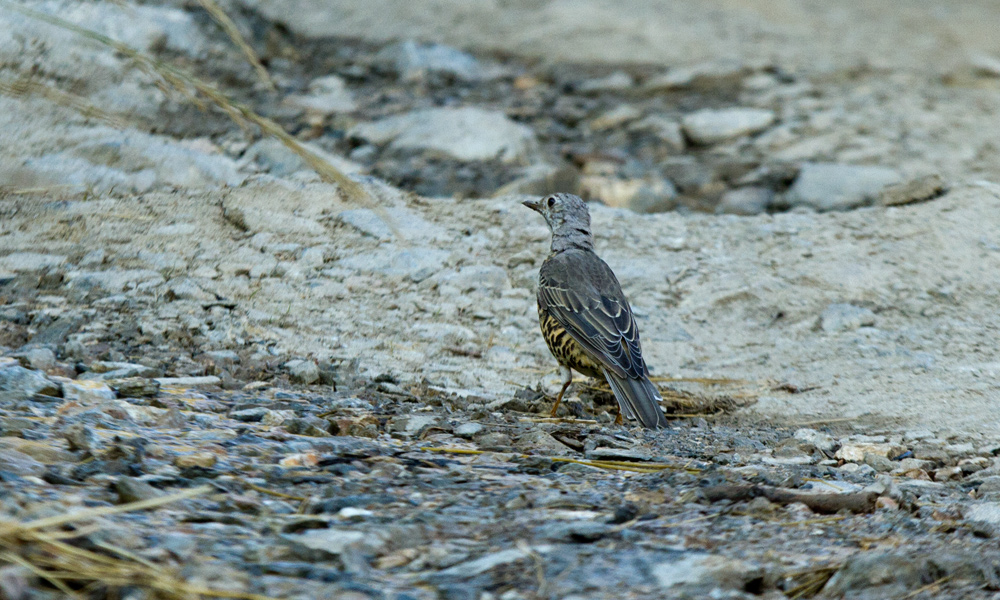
87 392
702 75
303 371
204 381
919 189
637 195
869 571
204 460
367 222
697 569
468 430
856 451
985 516
413 61
668 131
746 201
832 186
845 317
616 117
326 96
618 81
465 134
130 489
323 544
709 126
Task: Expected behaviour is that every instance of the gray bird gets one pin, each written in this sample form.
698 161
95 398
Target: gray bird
586 320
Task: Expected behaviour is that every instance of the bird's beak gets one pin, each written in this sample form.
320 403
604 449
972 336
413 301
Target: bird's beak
535 205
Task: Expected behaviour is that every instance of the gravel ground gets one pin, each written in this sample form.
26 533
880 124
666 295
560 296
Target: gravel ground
355 394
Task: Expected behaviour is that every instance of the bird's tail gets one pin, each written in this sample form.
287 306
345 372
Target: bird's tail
637 399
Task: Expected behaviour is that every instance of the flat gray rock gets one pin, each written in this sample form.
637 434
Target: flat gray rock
832 186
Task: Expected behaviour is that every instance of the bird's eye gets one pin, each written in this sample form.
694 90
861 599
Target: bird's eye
552 201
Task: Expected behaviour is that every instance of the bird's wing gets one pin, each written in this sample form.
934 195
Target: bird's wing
582 294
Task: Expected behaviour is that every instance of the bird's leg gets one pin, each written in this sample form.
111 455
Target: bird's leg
619 420
567 380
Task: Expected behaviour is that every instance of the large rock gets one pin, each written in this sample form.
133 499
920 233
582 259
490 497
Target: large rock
415 263
831 186
466 134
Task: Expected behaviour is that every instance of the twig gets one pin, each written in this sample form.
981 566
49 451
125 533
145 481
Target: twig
262 490
931 585
114 510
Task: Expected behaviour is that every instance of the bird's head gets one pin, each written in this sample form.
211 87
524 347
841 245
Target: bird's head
562 212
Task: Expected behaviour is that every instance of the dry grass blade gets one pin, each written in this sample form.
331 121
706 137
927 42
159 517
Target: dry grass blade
811 581
233 32
71 569
26 86
610 465
195 89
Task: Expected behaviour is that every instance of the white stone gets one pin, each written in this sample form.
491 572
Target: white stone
831 186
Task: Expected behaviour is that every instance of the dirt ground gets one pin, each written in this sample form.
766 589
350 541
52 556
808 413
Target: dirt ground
359 376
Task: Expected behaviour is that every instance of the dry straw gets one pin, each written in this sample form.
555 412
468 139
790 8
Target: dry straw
45 548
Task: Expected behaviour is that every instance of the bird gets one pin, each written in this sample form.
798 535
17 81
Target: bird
584 316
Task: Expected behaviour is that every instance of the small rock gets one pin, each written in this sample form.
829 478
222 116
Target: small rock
845 317
249 415
131 489
323 544
222 358
985 64
489 562
186 289
920 189
327 95
580 532
616 117
468 430
82 438
19 463
19 383
709 126
886 503
414 61
869 570
312 258
87 392
413 425
204 460
985 516
745 201
697 569
134 387
618 81
989 484
465 134
648 195
816 439
665 129
710 74
303 371
856 451
17 583
206 381
879 463
832 186
948 474
39 359
367 222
